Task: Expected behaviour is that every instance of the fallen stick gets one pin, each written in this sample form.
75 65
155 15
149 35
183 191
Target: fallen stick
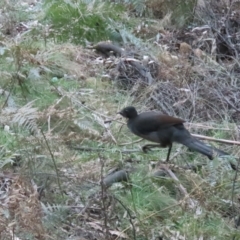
202 137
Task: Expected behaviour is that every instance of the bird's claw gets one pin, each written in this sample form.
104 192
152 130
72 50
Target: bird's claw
146 149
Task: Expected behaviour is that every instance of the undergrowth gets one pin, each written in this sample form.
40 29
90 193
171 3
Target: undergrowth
61 137
81 21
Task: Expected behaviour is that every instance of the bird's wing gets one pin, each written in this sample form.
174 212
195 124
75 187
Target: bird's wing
152 121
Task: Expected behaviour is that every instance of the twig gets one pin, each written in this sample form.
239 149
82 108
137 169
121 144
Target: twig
110 120
110 133
129 143
89 149
54 162
199 125
130 216
233 188
216 140
192 203
103 197
98 113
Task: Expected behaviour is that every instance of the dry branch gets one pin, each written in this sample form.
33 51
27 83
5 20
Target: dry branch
202 137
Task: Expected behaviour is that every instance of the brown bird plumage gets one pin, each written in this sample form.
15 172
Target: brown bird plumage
165 130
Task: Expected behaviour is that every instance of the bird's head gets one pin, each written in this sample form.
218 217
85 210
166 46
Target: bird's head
128 112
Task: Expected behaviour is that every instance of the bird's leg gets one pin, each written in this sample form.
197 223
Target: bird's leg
148 147
169 151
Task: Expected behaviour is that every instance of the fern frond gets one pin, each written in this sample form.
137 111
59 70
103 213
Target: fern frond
26 117
82 20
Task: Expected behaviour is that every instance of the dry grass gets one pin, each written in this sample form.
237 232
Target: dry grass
66 148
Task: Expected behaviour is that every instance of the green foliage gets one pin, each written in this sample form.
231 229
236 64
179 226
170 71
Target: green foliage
183 13
8 147
7 140
147 198
78 21
12 14
138 7
73 108
205 225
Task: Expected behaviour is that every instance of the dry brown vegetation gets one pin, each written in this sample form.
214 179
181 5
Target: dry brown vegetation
64 152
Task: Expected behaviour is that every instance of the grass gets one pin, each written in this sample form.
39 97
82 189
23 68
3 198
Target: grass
73 100
153 202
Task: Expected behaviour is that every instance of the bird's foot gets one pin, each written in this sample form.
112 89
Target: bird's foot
146 148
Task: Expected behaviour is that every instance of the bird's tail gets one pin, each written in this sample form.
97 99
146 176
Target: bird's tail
209 151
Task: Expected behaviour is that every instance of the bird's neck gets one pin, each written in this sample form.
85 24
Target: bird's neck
132 118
